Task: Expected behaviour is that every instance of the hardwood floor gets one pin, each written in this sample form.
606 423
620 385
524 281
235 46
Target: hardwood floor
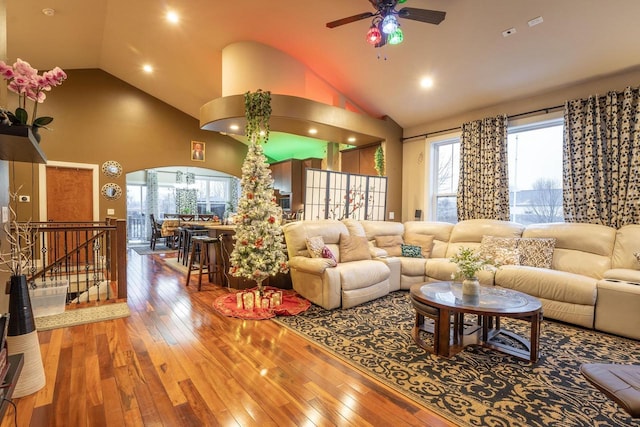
177 362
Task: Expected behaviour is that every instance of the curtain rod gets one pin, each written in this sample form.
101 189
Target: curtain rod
514 116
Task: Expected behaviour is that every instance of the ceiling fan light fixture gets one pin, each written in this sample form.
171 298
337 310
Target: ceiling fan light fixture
373 35
389 24
396 37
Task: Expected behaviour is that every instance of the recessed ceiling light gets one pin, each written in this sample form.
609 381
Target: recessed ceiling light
147 68
172 17
234 127
48 11
426 82
351 139
313 131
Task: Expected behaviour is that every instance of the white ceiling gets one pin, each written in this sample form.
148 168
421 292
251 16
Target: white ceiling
470 61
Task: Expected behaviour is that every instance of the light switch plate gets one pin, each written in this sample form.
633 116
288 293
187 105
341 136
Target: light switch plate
392 215
111 211
5 214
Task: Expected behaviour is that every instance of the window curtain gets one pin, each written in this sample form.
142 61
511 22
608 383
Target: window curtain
187 200
483 187
152 199
601 173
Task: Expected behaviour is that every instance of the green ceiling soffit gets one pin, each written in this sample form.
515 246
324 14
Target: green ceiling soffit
283 146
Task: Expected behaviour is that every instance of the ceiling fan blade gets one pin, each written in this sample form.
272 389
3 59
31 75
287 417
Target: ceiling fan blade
350 19
422 15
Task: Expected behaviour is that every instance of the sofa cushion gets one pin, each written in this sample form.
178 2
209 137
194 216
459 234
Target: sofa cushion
424 241
627 244
413 266
412 251
536 252
362 274
314 246
500 250
353 248
440 230
391 244
548 284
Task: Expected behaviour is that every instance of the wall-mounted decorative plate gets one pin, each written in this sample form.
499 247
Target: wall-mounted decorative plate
111 191
111 169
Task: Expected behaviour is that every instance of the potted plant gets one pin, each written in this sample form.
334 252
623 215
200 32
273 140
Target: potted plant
25 81
469 262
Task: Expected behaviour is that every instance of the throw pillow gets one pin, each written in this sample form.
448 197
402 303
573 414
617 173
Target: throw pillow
411 251
353 248
326 253
500 250
423 240
536 252
391 244
314 246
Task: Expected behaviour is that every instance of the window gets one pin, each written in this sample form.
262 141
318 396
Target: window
213 194
535 174
446 160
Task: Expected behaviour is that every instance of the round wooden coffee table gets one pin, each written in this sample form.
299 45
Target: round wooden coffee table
444 303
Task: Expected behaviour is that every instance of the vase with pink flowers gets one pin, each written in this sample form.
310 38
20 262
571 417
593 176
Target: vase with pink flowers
25 81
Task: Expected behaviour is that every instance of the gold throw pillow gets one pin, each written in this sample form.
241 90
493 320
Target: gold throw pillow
353 248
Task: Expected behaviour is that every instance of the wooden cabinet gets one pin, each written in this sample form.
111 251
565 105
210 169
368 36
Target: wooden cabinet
289 179
360 160
286 175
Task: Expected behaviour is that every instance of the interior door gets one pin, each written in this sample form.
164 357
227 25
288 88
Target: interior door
69 199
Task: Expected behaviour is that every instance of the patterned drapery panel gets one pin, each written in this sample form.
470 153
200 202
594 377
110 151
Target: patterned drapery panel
152 198
186 200
601 172
483 187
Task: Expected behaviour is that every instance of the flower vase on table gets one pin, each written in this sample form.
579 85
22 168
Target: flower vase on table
471 286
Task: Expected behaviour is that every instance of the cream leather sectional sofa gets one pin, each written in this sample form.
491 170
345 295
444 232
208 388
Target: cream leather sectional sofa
593 280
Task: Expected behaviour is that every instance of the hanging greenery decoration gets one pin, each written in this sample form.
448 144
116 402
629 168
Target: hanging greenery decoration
259 249
379 161
257 107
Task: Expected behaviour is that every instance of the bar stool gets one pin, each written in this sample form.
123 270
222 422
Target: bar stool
201 247
185 240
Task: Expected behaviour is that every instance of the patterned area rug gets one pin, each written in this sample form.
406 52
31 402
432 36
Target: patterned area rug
80 316
479 386
146 250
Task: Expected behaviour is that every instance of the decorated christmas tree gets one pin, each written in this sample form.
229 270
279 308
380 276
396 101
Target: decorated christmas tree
259 248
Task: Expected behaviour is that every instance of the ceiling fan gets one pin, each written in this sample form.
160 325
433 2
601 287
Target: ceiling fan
384 26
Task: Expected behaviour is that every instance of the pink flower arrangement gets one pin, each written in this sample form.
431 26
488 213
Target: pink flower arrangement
28 84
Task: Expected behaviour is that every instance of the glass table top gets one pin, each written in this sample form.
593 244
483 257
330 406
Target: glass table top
492 298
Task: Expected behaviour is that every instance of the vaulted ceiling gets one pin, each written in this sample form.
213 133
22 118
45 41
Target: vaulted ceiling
470 61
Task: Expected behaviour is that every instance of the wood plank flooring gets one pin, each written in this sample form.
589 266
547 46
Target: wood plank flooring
177 362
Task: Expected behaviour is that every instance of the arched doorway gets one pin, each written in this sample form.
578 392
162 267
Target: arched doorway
176 190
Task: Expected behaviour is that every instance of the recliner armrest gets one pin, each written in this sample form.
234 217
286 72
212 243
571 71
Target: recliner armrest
310 265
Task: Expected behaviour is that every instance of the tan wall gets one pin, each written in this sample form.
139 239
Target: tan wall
4 244
98 117
415 194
